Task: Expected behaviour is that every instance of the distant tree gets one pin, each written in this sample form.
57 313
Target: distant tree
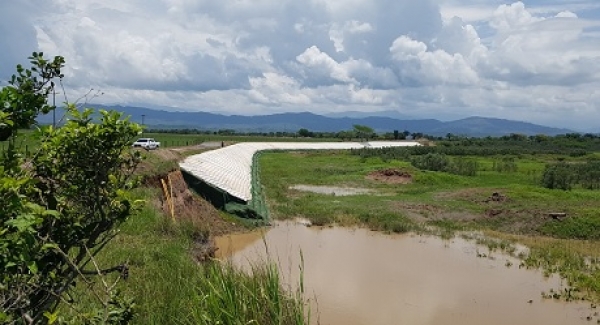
416 135
574 136
539 138
514 137
305 133
226 132
363 131
345 135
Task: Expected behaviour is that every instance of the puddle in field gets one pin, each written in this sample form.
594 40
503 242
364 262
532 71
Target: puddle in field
331 190
358 277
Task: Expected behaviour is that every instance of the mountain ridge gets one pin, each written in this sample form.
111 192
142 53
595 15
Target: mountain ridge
291 122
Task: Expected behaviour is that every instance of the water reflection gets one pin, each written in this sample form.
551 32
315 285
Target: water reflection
358 277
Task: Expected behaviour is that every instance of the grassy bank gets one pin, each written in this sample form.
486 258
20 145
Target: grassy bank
512 205
522 206
165 279
170 287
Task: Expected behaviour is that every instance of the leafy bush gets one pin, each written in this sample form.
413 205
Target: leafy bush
588 175
463 166
62 207
564 176
558 176
442 163
431 161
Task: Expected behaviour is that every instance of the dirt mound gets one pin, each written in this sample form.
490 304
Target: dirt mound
496 197
188 207
391 175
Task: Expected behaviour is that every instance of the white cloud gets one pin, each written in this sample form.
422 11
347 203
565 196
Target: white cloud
430 58
431 67
566 14
469 13
276 89
405 48
315 59
511 17
460 37
337 33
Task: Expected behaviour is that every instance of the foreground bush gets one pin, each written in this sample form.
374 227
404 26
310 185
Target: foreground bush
61 207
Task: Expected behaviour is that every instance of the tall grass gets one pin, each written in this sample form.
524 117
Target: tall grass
232 297
170 287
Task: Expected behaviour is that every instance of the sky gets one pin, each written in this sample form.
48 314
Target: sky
536 61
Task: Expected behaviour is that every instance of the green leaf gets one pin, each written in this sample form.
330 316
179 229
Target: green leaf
22 223
49 246
52 317
33 267
52 213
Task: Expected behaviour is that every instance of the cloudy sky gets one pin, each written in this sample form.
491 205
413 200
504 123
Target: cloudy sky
535 60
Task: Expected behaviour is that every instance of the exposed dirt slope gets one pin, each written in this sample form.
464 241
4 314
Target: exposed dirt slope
189 207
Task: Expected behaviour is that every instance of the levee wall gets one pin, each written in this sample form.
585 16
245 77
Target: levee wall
227 179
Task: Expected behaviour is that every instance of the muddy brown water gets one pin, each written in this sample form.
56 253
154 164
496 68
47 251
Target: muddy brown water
359 277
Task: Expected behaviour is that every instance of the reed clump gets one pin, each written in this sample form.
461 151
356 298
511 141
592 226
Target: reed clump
256 297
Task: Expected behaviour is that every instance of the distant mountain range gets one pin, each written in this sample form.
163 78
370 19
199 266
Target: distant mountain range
290 122
355 114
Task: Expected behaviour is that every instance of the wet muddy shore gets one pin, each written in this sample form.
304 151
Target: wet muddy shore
355 276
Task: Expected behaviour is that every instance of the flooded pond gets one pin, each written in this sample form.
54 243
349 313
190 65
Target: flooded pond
359 277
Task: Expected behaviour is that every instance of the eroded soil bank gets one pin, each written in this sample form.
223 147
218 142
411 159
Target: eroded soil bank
202 220
358 277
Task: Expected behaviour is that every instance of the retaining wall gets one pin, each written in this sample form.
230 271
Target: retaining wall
225 176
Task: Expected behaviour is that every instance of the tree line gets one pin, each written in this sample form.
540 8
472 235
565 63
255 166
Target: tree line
576 140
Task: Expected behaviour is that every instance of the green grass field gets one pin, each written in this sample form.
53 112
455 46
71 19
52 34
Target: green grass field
524 209
29 139
176 140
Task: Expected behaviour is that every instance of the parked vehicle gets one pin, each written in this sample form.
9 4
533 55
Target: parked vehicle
146 143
